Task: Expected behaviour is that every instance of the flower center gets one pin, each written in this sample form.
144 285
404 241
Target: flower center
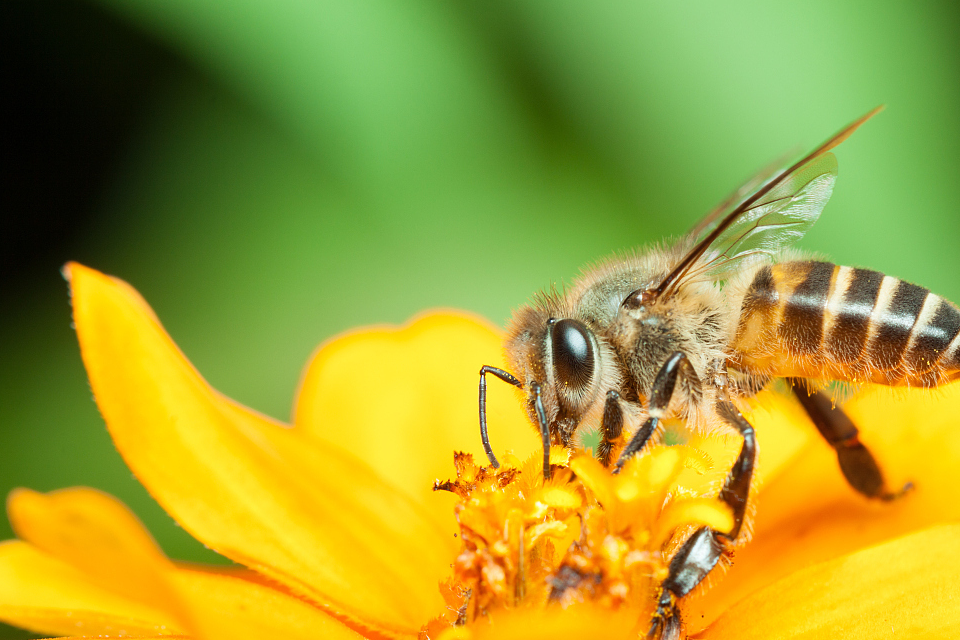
583 536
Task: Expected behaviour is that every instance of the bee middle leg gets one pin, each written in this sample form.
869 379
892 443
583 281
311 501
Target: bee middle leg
858 465
660 395
611 427
704 549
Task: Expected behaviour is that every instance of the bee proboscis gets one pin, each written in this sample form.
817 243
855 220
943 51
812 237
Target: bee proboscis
689 328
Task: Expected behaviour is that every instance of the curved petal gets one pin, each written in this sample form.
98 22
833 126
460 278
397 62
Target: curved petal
46 595
702 512
83 530
310 515
810 514
907 588
241 609
574 623
783 433
99 536
425 385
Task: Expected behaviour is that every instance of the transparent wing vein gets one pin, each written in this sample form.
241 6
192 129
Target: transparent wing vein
775 221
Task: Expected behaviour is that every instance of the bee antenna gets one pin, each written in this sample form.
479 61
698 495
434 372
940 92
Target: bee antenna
484 436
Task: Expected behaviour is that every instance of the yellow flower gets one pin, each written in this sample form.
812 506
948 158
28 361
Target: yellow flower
340 534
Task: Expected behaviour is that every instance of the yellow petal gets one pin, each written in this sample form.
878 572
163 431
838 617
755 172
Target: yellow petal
783 432
907 588
575 623
595 477
46 595
99 536
664 464
310 515
237 608
561 497
706 512
406 415
810 514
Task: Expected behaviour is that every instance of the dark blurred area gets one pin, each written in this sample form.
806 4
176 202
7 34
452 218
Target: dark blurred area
77 81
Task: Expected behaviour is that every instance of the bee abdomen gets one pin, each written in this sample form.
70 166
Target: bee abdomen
817 319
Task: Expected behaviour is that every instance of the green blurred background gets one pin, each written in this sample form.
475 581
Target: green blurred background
269 174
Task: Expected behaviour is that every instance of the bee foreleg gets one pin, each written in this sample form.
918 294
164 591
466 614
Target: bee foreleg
660 396
484 436
702 551
856 462
544 428
611 427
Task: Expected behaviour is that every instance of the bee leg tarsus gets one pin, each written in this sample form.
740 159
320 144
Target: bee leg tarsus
858 465
666 621
484 436
660 395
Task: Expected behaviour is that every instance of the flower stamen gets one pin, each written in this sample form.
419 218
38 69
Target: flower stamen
583 535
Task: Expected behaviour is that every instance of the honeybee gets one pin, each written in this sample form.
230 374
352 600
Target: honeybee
685 329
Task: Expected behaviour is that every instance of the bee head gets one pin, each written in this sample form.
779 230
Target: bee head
561 356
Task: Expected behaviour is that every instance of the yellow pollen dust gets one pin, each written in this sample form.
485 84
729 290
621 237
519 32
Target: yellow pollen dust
585 535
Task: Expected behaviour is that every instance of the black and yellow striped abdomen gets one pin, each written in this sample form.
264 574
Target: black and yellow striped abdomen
820 320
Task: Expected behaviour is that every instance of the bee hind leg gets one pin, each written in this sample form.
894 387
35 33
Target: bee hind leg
858 465
691 564
703 550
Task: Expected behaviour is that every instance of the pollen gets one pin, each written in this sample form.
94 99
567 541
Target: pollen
585 535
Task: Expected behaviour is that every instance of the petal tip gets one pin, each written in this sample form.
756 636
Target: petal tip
67 269
15 497
72 270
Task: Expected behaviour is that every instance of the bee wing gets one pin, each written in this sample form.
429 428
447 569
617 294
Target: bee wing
762 177
778 213
773 222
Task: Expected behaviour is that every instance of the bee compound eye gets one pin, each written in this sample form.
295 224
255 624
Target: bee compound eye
573 357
